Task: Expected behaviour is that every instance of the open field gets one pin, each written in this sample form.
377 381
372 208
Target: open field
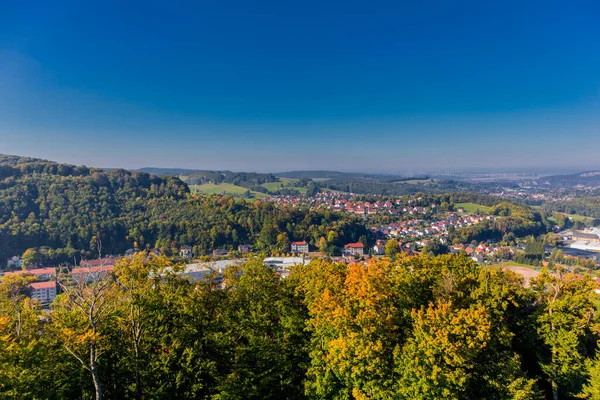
576 217
275 186
526 272
472 207
414 181
573 217
211 188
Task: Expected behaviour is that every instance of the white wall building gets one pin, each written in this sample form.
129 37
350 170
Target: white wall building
44 292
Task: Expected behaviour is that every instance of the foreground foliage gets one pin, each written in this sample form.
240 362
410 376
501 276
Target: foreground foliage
414 328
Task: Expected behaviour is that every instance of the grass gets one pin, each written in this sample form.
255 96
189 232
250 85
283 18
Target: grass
514 264
472 207
415 181
576 217
211 188
275 186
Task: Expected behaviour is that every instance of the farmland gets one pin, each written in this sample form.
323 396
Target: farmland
211 188
472 207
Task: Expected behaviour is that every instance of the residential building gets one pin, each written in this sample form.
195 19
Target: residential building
353 249
185 252
220 252
245 248
299 247
14 262
41 274
379 249
89 274
44 292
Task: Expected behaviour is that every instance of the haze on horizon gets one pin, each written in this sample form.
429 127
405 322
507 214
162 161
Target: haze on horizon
276 86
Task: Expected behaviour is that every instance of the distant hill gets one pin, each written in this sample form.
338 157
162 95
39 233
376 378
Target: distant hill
168 171
6 159
586 179
309 174
248 180
44 203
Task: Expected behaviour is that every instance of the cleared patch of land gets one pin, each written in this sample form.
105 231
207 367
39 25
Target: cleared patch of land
576 217
275 186
211 188
525 272
414 181
472 207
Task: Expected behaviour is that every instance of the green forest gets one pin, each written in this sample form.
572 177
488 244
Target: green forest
587 206
414 328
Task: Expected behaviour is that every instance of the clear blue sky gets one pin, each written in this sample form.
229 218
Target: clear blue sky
281 85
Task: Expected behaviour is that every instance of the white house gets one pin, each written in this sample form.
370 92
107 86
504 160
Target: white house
299 247
352 249
185 252
44 292
379 249
41 274
14 262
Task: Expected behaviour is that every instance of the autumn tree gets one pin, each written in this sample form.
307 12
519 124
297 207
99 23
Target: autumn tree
392 248
355 329
81 315
566 319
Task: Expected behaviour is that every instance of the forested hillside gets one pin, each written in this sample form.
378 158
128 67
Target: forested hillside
514 220
67 207
585 179
586 206
250 180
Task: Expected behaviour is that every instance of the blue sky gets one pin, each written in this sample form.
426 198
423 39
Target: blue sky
279 85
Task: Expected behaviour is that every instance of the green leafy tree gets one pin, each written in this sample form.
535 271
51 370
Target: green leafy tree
392 248
566 320
31 257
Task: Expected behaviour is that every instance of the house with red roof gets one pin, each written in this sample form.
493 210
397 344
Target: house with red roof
44 292
352 249
299 247
41 274
89 274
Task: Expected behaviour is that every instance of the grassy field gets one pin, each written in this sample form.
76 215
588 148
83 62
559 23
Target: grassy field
576 217
211 188
513 264
573 217
275 186
472 207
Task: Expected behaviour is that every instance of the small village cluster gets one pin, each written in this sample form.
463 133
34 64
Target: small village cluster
337 201
419 228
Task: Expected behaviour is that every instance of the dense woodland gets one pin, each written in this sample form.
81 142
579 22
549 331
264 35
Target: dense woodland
514 221
399 188
587 206
250 180
415 328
